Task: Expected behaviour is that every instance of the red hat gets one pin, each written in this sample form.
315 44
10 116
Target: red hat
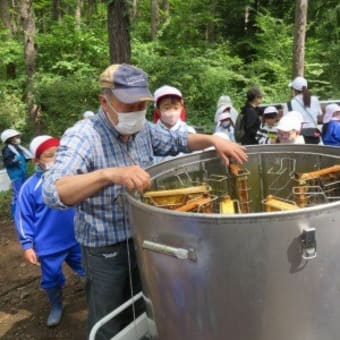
41 143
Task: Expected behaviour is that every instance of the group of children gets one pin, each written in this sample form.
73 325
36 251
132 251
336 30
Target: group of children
47 235
297 122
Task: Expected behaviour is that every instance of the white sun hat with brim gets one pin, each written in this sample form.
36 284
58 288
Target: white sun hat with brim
289 123
330 110
224 115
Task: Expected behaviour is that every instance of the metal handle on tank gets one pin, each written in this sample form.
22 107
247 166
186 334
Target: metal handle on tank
308 243
180 253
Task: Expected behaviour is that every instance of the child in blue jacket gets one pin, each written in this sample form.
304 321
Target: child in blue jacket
46 235
14 157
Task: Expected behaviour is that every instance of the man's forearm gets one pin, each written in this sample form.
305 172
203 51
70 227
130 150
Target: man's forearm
199 141
75 189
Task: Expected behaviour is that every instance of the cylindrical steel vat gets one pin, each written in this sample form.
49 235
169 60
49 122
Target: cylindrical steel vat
254 276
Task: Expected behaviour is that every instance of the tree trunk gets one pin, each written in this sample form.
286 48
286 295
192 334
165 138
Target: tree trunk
5 16
134 9
56 10
166 8
8 16
154 18
77 14
299 37
91 7
118 29
30 54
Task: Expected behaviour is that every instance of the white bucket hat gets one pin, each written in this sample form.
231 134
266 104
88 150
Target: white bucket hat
289 123
330 109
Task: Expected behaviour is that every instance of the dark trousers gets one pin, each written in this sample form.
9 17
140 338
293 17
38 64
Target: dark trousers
108 285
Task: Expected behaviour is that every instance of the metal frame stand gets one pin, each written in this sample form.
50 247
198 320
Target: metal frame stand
136 330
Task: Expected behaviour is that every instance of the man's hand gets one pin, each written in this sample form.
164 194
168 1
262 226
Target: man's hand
227 149
30 256
132 177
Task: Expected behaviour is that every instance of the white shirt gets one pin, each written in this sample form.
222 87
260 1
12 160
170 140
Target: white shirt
309 114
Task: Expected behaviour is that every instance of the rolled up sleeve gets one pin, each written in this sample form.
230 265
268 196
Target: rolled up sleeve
71 159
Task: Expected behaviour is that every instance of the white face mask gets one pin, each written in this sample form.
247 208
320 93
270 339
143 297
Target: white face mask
170 117
17 141
48 165
128 122
225 125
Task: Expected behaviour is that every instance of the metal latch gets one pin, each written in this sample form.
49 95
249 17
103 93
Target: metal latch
308 243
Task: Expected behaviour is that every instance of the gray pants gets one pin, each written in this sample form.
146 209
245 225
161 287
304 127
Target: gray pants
108 285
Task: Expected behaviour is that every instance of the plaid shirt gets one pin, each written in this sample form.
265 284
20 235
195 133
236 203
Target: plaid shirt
93 144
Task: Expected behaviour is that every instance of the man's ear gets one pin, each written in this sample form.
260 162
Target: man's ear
36 161
102 99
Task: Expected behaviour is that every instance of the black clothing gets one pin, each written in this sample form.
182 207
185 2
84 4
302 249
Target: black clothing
251 124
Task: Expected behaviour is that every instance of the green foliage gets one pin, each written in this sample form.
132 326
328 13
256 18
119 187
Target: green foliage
271 67
5 205
205 48
64 99
12 110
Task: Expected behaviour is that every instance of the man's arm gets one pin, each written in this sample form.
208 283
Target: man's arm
224 148
75 189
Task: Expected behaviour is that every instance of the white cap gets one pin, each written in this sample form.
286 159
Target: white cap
289 122
298 83
330 109
9 133
224 101
166 90
270 109
40 143
88 114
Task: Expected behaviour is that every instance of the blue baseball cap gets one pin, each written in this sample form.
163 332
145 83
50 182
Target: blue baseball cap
128 84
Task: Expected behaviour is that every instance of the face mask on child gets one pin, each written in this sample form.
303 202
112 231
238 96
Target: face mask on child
128 122
225 124
170 117
16 141
48 165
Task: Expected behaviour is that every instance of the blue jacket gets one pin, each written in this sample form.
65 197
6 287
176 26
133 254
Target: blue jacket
332 134
46 230
15 164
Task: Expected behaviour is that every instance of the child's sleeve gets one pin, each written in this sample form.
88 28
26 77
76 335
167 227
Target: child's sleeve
24 218
9 158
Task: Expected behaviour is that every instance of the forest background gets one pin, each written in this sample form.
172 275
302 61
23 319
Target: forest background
206 48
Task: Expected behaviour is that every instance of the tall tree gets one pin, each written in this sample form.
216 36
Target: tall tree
154 18
56 10
30 54
118 28
7 22
299 37
77 13
166 8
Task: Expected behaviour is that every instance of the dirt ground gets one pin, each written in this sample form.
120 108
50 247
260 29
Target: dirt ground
24 306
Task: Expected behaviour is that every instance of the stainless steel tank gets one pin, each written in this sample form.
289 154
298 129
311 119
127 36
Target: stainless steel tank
254 276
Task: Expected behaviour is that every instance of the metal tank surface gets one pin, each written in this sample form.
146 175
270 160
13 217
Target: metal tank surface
247 276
